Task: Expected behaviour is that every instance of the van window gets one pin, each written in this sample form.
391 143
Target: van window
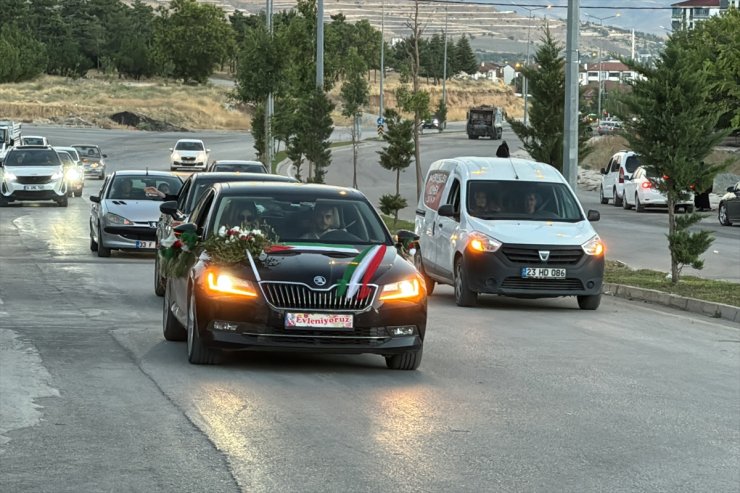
633 162
615 164
453 198
434 188
531 201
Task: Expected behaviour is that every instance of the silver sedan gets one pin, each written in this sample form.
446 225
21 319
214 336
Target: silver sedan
124 216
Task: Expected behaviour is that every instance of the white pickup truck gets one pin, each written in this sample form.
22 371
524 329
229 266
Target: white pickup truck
10 132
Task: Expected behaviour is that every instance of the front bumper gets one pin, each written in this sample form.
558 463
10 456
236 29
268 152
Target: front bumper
98 172
500 272
188 165
46 191
142 238
258 326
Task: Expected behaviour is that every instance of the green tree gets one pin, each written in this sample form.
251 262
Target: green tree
465 59
396 156
312 133
23 57
542 138
673 130
194 39
355 95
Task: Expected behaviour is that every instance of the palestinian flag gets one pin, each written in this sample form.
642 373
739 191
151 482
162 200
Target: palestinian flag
360 271
311 247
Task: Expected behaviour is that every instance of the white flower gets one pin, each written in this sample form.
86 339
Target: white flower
169 241
185 248
262 256
222 231
256 232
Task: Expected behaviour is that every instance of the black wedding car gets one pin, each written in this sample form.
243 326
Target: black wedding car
333 280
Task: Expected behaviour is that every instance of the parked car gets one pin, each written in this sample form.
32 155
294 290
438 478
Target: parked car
640 192
296 298
74 174
608 127
189 194
33 173
237 166
33 140
433 123
729 206
93 160
505 226
124 215
620 169
190 154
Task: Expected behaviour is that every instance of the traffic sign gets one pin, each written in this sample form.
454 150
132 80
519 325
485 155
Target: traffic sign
380 120
381 130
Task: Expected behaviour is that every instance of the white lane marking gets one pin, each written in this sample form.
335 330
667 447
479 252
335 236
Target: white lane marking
25 224
23 379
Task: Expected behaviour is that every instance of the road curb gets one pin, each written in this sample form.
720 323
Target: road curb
708 308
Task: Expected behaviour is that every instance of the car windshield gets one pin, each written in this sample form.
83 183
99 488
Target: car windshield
72 152
32 157
241 167
633 162
293 218
531 201
143 187
88 151
33 141
189 146
66 158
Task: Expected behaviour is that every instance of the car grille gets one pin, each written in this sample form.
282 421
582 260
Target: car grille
33 180
185 158
530 256
542 284
294 296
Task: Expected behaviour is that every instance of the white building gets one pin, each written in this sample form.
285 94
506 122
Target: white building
688 13
611 70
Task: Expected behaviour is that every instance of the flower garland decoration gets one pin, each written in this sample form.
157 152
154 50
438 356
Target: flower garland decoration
177 255
229 245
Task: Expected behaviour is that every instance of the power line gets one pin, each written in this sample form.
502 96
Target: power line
539 5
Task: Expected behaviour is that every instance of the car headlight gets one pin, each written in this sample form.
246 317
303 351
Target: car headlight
111 218
478 242
10 177
406 289
57 176
73 174
221 283
94 165
175 156
594 246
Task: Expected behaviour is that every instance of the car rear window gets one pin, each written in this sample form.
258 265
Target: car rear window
244 168
633 162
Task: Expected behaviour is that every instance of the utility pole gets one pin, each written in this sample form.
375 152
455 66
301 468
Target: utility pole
570 124
320 45
601 84
444 72
382 58
269 104
525 81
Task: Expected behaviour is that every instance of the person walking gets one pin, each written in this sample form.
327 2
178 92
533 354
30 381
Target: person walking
503 150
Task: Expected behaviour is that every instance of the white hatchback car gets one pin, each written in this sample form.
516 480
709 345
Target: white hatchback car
189 153
617 172
640 192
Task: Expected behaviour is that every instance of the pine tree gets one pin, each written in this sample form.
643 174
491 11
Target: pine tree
396 156
465 57
355 94
312 133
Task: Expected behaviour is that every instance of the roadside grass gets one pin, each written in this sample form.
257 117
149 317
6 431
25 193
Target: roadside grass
400 224
283 154
689 286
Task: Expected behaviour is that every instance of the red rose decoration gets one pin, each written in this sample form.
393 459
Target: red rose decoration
177 244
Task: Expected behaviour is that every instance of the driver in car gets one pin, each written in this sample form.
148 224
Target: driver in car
323 222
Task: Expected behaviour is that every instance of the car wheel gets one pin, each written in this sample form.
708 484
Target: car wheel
602 199
93 243
724 219
102 250
159 281
464 296
78 194
638 206
617 201
410 360
198 354
172 329
625 204
429 283
63 202
589 302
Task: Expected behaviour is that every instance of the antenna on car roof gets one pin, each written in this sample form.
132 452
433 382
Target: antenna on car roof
147 171
513 168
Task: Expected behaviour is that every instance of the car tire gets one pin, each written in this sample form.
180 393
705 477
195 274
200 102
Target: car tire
724 219
93 244
602 199
464 296
159 281
198 353
63 202
78 194
589 302
102 250
172 329
625 204
410 360
429 283
638 206
617 202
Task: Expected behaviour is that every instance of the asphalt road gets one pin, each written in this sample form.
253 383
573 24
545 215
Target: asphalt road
511 396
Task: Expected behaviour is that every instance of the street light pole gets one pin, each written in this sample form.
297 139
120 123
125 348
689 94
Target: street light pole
570 123
525 81
269 104
444 69
320 45
382 54
601 23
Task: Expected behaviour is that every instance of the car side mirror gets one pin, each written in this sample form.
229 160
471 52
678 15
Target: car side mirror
446 210
95 198
105 155
185 228
171 149
406 236
730 189
208 150
593 215
169 208
603 171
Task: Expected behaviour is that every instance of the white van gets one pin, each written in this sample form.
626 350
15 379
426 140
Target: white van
506 226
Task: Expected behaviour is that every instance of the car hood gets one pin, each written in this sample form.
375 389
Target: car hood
535 232
33 170
134 210
189 153
310 267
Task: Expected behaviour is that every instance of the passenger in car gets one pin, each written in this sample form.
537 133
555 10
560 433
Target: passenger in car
531 200
482 205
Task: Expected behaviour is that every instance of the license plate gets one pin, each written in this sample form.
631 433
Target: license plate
318 321
146 244
33 187
542 273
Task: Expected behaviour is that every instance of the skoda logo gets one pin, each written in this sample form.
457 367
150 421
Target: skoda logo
319 280
544 255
